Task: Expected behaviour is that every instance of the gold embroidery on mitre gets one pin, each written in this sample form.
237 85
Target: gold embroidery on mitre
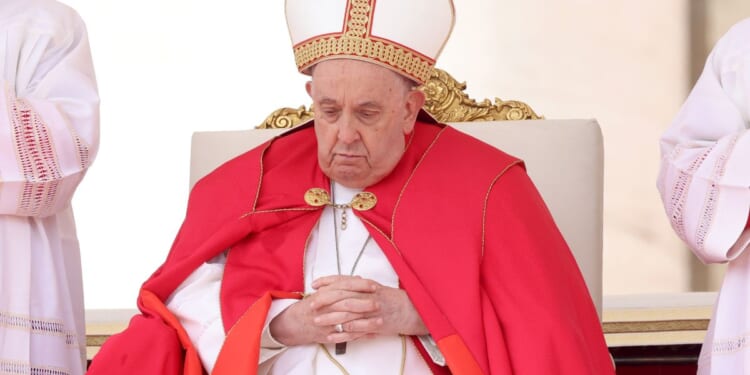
317 197
356 42
359 19
364 201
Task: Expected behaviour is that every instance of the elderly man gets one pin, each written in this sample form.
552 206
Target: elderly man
404 247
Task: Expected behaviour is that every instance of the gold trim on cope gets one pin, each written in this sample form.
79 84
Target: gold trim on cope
317 197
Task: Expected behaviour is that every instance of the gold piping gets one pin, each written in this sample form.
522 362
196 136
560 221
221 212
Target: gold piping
487 198
390 240
278 210
304 252
221 305
408 180
260 178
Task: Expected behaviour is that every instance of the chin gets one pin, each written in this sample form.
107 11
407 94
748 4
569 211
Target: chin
347 172
348 181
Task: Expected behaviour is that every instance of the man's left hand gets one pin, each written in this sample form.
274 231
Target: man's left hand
393 312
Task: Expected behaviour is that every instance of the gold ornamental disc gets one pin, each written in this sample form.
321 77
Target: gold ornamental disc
364 201
317 197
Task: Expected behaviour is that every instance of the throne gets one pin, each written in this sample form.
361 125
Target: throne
564 158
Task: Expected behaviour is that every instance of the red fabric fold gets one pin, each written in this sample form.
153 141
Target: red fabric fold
471 240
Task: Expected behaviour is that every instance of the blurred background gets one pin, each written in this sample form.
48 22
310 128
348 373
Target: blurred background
167 68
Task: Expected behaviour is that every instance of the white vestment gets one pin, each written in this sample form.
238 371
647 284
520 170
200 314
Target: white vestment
49 134
704 182
196 305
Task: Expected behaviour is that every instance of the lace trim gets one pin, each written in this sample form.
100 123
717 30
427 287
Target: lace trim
730 346
36 158
709 206
38 326
676 205
15 367
84 152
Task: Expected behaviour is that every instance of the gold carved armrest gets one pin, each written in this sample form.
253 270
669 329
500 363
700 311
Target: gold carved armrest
446 102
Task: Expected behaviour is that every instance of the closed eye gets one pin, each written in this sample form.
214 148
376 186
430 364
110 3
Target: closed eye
330 113
368 115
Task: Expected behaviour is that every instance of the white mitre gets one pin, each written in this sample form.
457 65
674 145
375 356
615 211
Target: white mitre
406 36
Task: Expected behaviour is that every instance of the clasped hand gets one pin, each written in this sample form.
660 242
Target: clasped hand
363 307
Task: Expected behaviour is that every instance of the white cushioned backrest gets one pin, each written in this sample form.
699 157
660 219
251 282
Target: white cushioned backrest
563 157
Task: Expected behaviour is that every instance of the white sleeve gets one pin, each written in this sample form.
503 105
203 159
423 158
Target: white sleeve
704 179
429 345
269 347
196 304
49 106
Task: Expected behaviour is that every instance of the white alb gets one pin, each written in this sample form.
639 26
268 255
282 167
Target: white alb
704 182
49 133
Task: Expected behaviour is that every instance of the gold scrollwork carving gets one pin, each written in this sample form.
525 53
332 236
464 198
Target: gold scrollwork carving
446 102
287 118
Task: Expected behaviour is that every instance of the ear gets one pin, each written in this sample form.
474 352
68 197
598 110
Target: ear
414 102
308 88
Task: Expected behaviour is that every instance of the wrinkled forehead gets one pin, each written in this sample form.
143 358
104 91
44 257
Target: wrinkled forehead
352 68
360 74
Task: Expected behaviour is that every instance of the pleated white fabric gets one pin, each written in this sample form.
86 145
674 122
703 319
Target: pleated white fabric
49 135
704 182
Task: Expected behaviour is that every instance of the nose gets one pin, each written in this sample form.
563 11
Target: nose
347 133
